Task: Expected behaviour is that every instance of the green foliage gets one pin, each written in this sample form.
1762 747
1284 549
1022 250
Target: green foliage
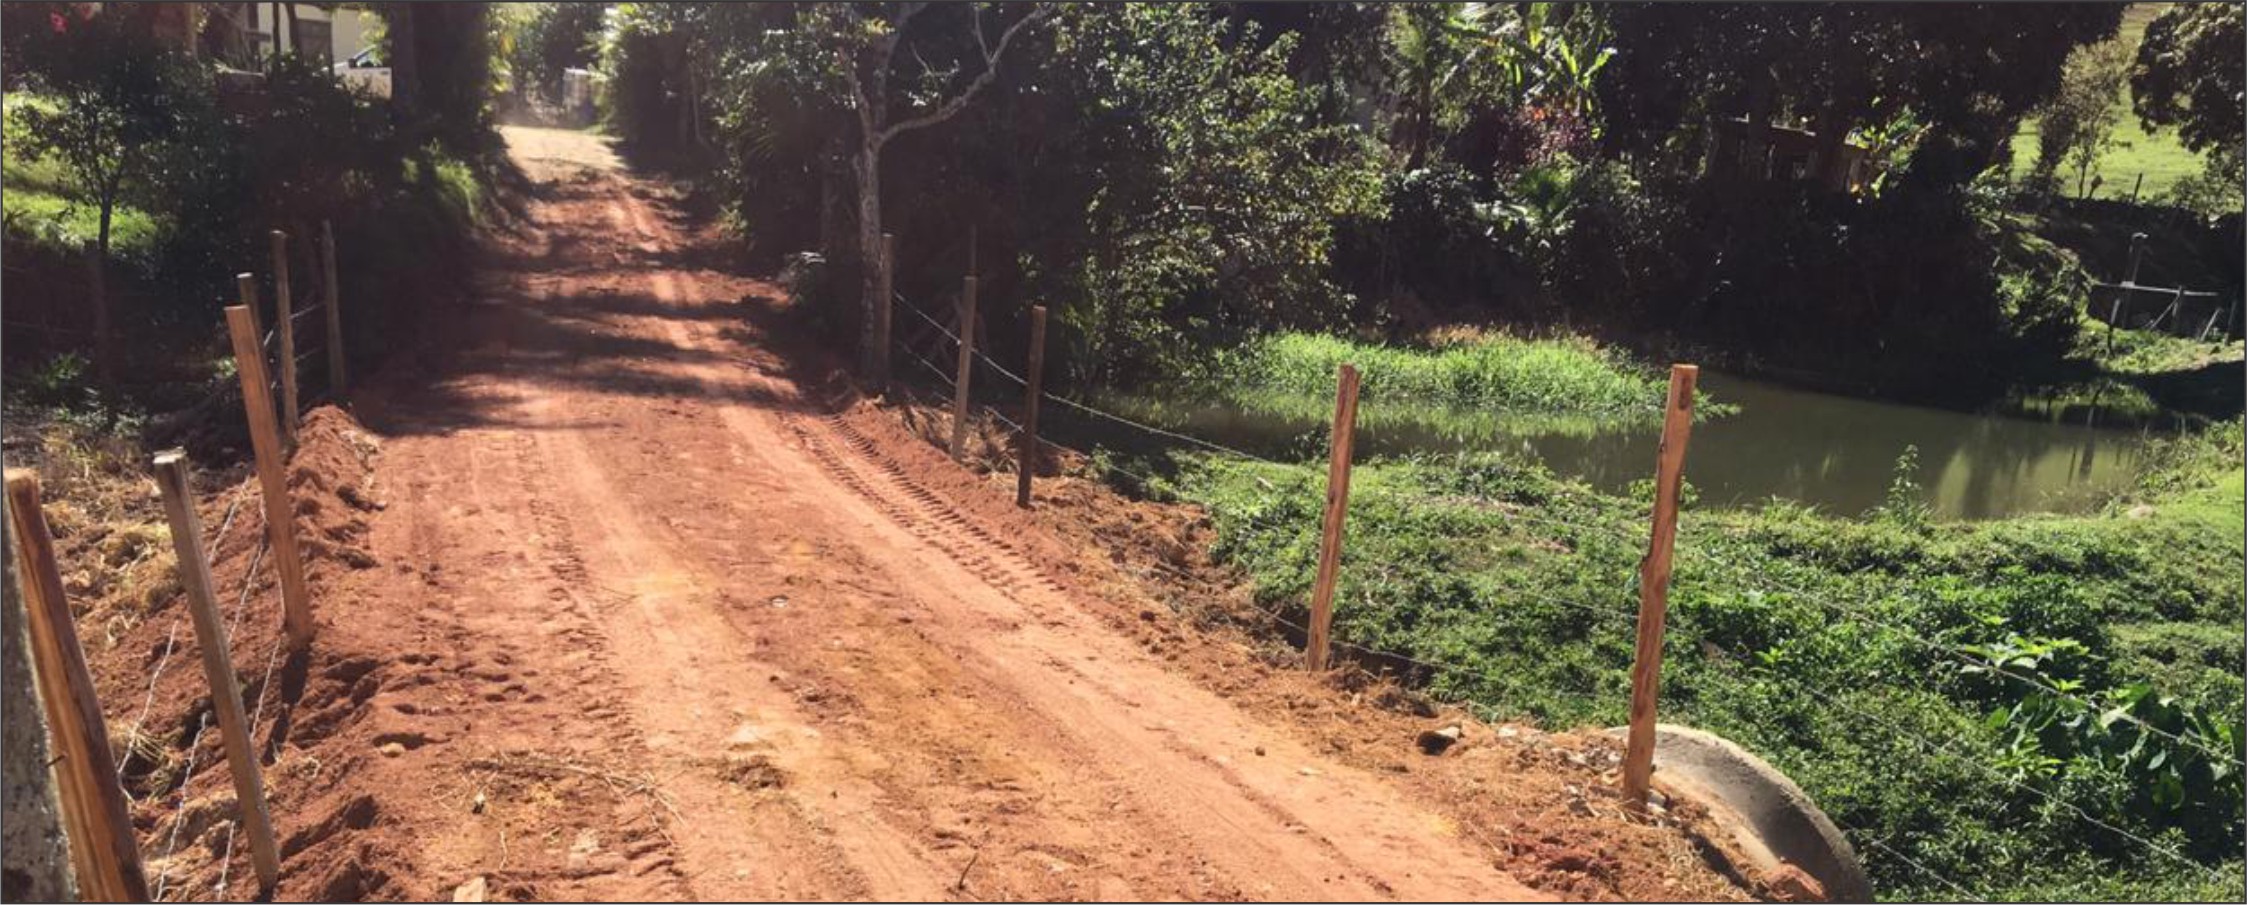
1493 85
1860 656
1906 505
1566 374
1967 72
545 38
2077 125
2189 74
203 183
1207 203
119 113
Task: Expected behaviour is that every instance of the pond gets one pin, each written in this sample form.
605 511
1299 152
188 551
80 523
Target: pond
1836 453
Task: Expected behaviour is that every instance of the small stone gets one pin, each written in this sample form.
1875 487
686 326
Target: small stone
746 736
1508 732
472 891
1436 741
391 749
477 806
1259 750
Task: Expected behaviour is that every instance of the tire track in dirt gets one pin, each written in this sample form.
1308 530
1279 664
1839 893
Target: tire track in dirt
667 630
1303 832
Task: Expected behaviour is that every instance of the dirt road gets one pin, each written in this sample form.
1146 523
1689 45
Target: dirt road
653 558
637 617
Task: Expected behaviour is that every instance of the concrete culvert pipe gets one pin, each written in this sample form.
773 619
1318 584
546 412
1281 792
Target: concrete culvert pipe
1771 820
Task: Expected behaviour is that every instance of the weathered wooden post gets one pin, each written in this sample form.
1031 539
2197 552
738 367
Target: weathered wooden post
218 667
884 314
966 369
284 317
2129 286
265 446
1028 463
1654 585
103 851
1337 506
338 377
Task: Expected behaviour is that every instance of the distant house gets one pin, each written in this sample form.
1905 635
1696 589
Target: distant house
241 34
1767 151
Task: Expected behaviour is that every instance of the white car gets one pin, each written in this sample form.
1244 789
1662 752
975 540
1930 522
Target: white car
366 69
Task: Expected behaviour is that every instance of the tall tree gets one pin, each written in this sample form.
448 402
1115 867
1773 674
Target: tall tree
117 110
891 101
2076 126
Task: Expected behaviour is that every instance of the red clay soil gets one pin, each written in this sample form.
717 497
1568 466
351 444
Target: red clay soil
614 603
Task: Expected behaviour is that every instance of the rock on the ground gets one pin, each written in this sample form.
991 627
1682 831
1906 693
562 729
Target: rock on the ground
1437 741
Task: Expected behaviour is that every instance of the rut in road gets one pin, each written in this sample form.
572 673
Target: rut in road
661 627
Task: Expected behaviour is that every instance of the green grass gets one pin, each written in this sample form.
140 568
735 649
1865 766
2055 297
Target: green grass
1805 637
58 223
42 204
2159 155
1558 375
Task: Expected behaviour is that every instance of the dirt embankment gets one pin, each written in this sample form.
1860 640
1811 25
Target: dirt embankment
616 602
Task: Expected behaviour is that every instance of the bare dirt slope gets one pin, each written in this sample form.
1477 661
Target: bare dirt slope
626 611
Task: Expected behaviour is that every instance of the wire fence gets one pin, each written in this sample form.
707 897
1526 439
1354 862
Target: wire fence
1624 611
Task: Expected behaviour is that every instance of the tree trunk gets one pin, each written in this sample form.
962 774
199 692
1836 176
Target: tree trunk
405 71
98 288
293 48
1829 163
868 166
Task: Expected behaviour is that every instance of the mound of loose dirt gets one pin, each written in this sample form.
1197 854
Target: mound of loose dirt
156 698
330 480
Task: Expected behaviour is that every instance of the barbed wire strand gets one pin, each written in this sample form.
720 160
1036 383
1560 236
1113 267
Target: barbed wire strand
1954 886
171 640
1064 400
1768 584
179 816
1928 747
257 716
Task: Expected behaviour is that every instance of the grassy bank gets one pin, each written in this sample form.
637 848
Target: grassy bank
1565 374
2032 707
1855 654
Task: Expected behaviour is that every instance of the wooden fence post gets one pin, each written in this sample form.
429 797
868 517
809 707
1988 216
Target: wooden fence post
284 322
966 369
280 515
245 287
218 667
103 851
1337 505
1033 380
1654 585
338 378
884 314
